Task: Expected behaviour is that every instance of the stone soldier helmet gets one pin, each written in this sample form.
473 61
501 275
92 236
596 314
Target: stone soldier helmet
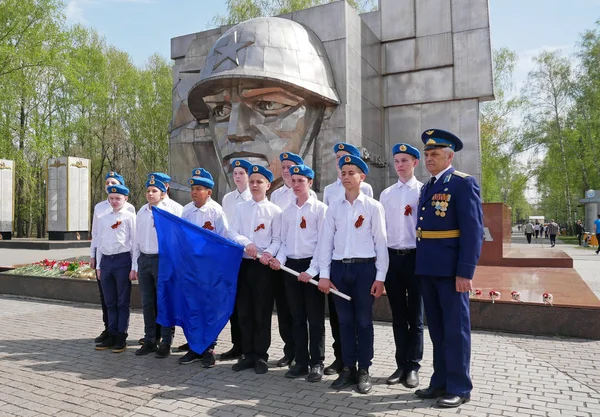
270 50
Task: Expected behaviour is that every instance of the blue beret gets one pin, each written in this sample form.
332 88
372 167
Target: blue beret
438 138
115 175
118 189
342 146
406 148
205 182
259 169
302 170
158 184
288 156
354 160
241 163
161 176
201 172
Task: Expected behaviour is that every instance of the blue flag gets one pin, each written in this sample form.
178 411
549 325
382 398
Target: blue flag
197 278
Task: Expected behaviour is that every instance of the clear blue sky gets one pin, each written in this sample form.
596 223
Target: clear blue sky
143 27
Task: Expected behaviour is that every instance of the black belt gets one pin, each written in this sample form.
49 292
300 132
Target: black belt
300 259
402 252
116 256
149 255
355 260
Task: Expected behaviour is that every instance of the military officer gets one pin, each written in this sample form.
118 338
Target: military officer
449 230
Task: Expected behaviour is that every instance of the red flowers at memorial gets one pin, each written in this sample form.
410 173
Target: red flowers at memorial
208 226
260 226
359 221
548 298
117 224
303 223
494 294
407 210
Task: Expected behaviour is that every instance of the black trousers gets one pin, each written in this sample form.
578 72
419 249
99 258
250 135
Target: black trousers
236 333
528 235
307 303
334 323
579 238
284 315
255 307
103 303
553 239
404 294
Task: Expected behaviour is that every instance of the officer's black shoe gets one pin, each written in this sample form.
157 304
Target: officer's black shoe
106 343
147 347
411 380
451 401
189 357
395 378
285 361
183 348
261 367
364 382
430 392
208 359
164 350
120 343
316 373
141 341
296 371
334 368
231 354
243 363
345 378
101 336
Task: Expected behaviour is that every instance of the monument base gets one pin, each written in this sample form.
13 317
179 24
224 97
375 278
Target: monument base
81 235
6 235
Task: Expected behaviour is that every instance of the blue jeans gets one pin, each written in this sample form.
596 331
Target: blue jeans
147 279
356 316
114 274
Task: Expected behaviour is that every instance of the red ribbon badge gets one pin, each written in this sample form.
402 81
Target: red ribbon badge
303 223
117 224
260 226
407 210
208 226
359 221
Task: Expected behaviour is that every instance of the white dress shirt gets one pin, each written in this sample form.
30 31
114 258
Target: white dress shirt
341 239
299 242
336 191
101 209
146 240
400 226
284 196
210 215
190 206
232 199
258 223
116 234
176 208
439 175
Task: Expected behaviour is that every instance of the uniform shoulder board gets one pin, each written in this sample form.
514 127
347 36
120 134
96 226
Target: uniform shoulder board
460 174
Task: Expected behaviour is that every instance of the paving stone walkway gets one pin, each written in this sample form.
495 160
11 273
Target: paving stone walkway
48 367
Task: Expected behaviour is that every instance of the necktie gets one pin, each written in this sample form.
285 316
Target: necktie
431 181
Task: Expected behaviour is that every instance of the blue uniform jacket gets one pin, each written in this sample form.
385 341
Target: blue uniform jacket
456 256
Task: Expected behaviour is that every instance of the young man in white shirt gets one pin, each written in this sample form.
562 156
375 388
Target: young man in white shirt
301 224
103 207
353 258
403 288
257 227
242 193
176 208
207 214
336 191
145 265
116 234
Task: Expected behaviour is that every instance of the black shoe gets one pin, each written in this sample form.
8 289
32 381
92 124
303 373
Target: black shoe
364 382
243 363
411 380
334 368
102 336
120 343
141 341
261 367
285 361
147 347
346 378
451 401
395 378
430 392
164 350
316 373
208 359
231 354
106 343
183 348
296 371
189 357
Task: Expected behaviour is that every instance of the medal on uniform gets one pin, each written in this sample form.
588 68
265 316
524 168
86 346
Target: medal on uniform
440 202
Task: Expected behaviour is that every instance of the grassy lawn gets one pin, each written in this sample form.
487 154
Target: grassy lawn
572 240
